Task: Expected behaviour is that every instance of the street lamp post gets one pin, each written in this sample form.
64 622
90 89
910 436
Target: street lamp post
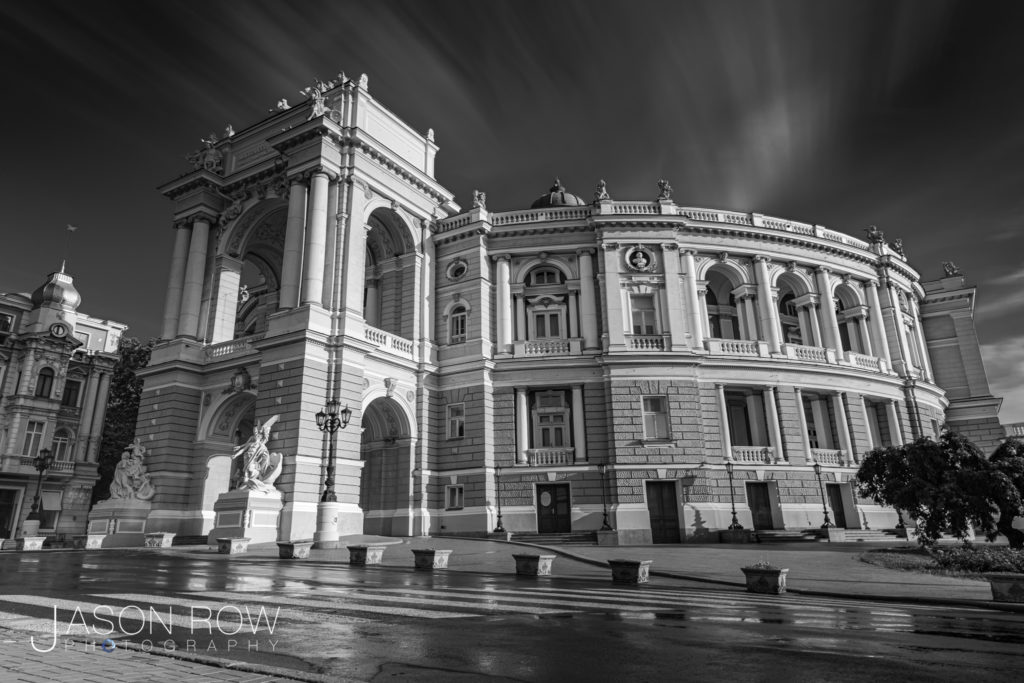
821 489
500 529
603 468
735 526
42 462
329 420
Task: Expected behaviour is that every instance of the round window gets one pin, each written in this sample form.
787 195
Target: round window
545 499
457 269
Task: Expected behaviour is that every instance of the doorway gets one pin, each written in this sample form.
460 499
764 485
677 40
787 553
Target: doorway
760 505
553 509
663 509
8 512
834 493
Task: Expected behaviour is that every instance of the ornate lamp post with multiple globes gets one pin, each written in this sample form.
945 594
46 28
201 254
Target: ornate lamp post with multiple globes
329 420
735 526
821 489
41 462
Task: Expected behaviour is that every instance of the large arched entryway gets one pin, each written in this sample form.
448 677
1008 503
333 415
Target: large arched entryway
385 491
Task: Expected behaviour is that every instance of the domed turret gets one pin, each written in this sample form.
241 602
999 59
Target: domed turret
58 290
557 196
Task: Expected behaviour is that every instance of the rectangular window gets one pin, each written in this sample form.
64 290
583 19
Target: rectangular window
61 446
453 497
33 437
552 430
72 388
547 325
50 503
458 327
655 409
644 321
44 383
456 420
6 326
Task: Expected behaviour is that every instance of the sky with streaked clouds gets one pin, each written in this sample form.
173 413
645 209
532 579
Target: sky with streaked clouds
902 114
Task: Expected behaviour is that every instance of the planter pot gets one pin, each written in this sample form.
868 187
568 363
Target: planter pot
770 581
1006 587
30 528
297 550
31 542
365 554
232 546
429 559
630 571
533 565
159 539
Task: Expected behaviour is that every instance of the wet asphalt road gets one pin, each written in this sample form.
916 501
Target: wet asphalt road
389 622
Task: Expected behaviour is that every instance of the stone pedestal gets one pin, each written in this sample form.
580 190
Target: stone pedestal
765 580
429 559
160 539
366 554
327 525
244 513
297 550
89 541
121 522
31 542
233 546
630 571
533 565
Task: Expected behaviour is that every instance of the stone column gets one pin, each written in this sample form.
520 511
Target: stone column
330 264
195 273
861 325
769 312
88 407
504 303
867 424
901 329
613 296
895 429
812 316
828 311
574 311
842 428
692 300
371 312
876 323
316 240
748 322
772 417
673 295
522 426
227 275
96 433
579 425
291 264
176 283
723 410
520 316
588 300
922 346
805 439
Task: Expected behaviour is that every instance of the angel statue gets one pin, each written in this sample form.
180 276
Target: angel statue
131 482
259 467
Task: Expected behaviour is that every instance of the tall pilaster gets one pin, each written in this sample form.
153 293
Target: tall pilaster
693 300
842 428
876 324
588 300
613 296
673 295
723 411
176 280
316 240
579 425
805 438
522 425
769 311
195 273
96 433
828 311
895 430
922 347
772 417
291 264
504 303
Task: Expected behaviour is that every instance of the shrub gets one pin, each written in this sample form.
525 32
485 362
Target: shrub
979 559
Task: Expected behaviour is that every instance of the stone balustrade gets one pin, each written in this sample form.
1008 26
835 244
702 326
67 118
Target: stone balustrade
389 343
234 347
647 342
550 456
753 454
828 456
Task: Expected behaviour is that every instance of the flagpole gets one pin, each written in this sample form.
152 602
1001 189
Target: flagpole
67 246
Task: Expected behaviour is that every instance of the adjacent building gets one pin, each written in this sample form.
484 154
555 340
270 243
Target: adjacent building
577 361
55 369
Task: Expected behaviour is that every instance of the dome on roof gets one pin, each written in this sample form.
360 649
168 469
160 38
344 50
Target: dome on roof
58 289
557 196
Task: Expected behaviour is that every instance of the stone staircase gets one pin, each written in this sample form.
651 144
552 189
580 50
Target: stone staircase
571 538
791 535
874 536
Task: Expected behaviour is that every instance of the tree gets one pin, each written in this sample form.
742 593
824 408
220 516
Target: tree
946 485
1008 459
122 410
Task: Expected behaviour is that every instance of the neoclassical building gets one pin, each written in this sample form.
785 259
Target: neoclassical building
56 365
655 362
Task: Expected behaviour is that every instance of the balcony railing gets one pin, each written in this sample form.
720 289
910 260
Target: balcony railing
390 343
547 347
737 347
26 463
233 347
647 342
828 456
866 362
550 456
754 454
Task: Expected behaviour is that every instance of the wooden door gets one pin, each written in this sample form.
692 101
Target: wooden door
760 506
664 511
834 493
553 515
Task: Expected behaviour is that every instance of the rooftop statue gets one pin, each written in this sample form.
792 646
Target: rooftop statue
259 467
602 191
664 190
479 199
950 269
875 236
130 479
897 246
209 158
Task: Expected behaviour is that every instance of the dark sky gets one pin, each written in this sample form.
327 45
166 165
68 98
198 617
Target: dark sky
906 115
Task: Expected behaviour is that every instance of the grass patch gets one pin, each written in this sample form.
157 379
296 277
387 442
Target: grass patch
965 562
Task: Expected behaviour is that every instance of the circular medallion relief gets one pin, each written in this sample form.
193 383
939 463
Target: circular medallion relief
640 259
59 330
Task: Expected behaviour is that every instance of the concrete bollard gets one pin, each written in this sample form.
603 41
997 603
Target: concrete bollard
630 571
533 565
429 559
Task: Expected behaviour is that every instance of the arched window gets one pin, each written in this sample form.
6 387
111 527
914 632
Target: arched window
44 383
458 321
61 445
545 276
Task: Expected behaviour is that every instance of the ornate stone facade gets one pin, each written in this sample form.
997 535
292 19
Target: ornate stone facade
562 361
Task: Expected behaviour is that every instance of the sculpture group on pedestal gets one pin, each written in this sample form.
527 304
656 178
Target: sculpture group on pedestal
131 482
259 468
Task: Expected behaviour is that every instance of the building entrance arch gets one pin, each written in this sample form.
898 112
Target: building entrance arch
387 450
